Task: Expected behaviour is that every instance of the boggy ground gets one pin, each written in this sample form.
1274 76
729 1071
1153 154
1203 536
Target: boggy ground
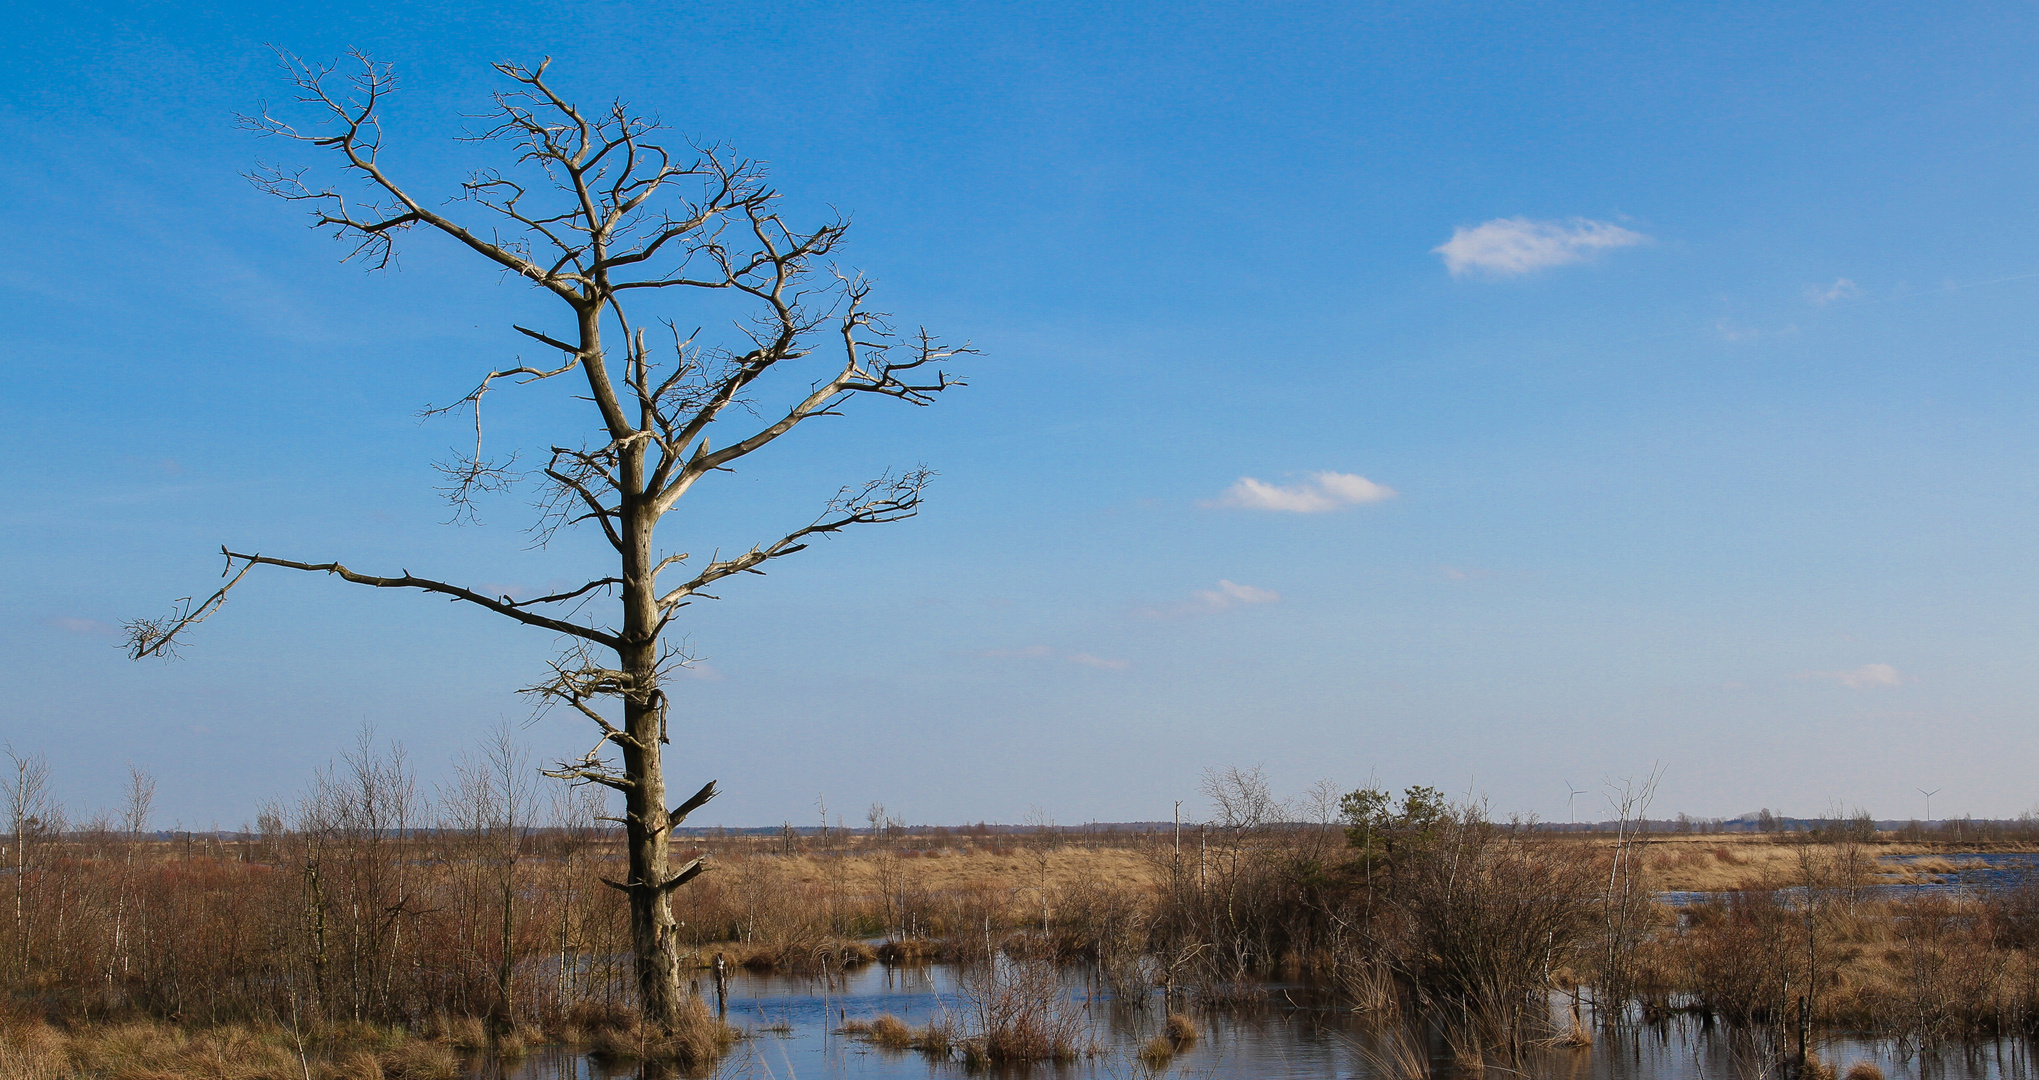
1729 862
1717 862
144 960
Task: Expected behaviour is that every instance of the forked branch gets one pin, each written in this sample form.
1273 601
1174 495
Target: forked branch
887 498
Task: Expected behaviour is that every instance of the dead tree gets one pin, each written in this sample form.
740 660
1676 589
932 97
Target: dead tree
600 213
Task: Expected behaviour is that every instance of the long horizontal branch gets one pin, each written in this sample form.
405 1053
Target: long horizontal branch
409 580
504 606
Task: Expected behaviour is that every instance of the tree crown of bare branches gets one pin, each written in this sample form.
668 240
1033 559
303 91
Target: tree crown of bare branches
597 209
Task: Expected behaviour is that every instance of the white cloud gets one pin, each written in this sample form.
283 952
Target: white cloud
1822 295
1868 676
1228 595
1031 652
1322 491
1505 247
88 627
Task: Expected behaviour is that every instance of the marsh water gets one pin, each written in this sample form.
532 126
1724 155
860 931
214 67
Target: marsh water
792 1025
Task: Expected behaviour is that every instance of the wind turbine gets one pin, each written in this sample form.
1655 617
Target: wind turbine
1571 804
1929 801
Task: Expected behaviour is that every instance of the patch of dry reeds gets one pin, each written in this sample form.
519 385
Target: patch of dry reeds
698 1039
890 1032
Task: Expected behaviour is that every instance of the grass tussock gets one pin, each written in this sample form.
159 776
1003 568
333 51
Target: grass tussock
696 1041
1863 1070
891 1032
1181 1029
913 950
1392 1052
938 1038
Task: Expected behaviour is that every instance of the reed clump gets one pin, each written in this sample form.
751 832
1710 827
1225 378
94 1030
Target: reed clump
697 1040
891 1032
938 1037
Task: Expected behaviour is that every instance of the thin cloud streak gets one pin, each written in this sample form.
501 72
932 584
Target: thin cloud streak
1866 677
1228 595
1508 247
1042 652
1323 491
89 627
1822 295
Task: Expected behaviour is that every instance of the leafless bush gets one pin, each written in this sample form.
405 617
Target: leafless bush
1482 918
1022 1012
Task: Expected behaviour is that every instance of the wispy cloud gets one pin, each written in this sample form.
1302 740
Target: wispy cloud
1506 247
1866 677
1732 331
88 627
1042 652
1228 595
1322 491
1822 295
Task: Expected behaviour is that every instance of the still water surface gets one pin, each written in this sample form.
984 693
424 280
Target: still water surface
792 1021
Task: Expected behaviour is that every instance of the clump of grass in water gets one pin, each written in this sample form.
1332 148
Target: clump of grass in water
697 1039
891 1033
938 1038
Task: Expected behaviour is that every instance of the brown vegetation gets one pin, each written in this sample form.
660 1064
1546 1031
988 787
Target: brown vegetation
365 919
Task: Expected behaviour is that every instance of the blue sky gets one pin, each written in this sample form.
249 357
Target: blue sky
1685 351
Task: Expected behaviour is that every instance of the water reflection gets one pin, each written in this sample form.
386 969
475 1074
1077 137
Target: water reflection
792 1025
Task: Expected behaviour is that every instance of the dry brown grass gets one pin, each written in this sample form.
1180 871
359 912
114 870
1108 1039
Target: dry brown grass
1725 862
966 868
151 1051
891 1033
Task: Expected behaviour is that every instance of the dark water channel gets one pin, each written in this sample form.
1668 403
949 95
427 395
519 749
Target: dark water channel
792 1026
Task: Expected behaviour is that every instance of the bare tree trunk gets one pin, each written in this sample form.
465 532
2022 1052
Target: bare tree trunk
653 935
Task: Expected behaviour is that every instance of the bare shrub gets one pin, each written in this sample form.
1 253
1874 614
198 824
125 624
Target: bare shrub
1022 1012
1481 918
1736 949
